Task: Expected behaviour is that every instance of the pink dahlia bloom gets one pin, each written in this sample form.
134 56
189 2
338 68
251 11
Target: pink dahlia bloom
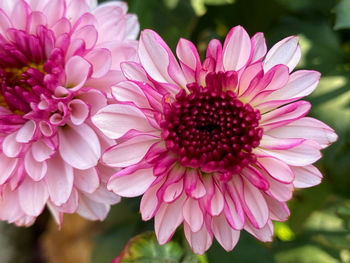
218 146
58 61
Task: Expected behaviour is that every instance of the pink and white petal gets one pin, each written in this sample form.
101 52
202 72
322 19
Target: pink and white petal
19 15
54 10
75 9
57 216
279 191
224 234
168 218
264 234
214 200
10 147
300 84
189 59
7 167
150 201
132 26
158 60
86 180
101 61
72 203
214 56
258 46
26 132
135 72
59 180
10 209
307 128
132 185
95 99
41 151
193 214
276 143
116 119
129 91
278 210
306 176
304 154
199 241
79 146
77 70
88 34
255 177
287 52
32 196
284 115
91 209
5 22
252 201
79 111
237 49
277 169
233 209
36 170
103 196
129 152
173 191
193 184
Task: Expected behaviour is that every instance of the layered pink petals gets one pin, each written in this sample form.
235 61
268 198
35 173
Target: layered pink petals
218 145
64 58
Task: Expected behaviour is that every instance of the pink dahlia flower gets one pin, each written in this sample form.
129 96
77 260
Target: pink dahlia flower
218 146
58 61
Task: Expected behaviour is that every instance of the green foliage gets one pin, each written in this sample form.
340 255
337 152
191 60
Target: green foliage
319 226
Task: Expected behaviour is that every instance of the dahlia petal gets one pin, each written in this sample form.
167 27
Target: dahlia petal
19 15
264 234
54 10
233 209
307 128
7 167
193 214
75 9
224 234
158 60
5 22
132 26
103 196
286 52
199 241
249 76
116 119
79 111
214 199
134 71
167 219
129 91
255 177
237 49
284 115
61 27
214 54
95 99
275 143
26 132
57 216
278 210
300 84
72 203
35 20
132 185
277 169
279 191
253 202
149 202
10 147
32 196
88 34
306 176
86 180
101 61
173 191
77 71
36 170
79 146
189 59
304 154
59 180
259 47
91 209
193 184
10 209
129 152
41 151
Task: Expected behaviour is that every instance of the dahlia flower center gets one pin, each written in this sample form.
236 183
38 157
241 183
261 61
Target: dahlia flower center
212 129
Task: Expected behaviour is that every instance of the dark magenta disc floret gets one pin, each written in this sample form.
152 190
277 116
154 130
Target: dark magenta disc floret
211 129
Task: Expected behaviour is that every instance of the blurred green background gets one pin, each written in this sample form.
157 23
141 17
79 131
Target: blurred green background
318 230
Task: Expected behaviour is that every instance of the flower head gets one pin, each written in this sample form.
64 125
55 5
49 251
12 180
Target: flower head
59 59
218 146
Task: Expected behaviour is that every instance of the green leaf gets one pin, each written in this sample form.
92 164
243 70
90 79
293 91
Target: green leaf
199 6
342 15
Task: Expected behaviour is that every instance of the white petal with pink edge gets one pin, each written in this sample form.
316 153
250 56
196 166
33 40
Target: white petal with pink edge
131 185
32 196
77 71
306 176
264 234
26 132
41 151
278 210
79 146
199 241
277 169
10 147
224 234
86 180
91 209
237 49
79 111
129 91
59 180
150 202
286 52
167 219
117 119
258 46
36 170
193 214
7 167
